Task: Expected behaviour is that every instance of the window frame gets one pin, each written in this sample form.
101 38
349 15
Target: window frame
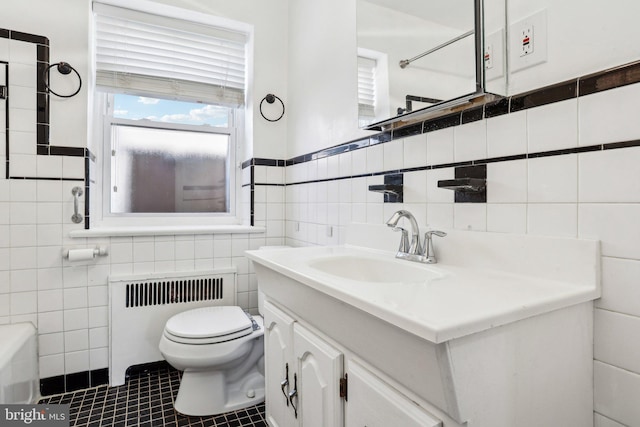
99 211
106 218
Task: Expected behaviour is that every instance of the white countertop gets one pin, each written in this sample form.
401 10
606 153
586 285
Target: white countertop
463 300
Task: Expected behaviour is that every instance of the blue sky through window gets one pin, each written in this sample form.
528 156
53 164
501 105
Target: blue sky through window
169 111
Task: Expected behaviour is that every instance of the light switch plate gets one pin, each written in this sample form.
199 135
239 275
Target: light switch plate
528 42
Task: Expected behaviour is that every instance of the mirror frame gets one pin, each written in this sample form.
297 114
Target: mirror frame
479 97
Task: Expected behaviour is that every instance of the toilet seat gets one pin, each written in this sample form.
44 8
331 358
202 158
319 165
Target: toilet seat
208 325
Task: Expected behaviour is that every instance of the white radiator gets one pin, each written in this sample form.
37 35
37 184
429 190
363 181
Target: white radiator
141 305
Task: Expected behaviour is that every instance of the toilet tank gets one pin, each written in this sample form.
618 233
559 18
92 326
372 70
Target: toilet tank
19 379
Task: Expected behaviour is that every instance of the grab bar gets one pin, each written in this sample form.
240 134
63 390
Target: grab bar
405 62
76 217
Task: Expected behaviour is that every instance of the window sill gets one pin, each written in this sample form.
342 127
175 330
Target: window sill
165 230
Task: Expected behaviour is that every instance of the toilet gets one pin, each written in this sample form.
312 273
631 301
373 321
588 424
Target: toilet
221 351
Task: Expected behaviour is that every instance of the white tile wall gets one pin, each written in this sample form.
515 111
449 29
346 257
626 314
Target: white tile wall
470 216
470 141
23 142
507 135
415 151
553 219
393 153
553 127
607 117
507 218
553 179
614 393
68 302
23 74
375 159
507 182
435 194
610 176
613 224
620 286
617 339
440 146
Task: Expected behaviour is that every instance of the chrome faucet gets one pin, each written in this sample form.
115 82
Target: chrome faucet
414 247
414 251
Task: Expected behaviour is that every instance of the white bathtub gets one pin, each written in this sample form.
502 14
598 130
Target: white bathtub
19 381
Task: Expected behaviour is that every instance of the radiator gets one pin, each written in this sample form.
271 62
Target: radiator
141 305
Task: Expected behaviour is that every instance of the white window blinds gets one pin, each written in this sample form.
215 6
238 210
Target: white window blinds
146 54
366 87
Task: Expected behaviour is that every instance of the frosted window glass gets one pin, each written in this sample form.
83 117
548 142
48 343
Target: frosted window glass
160 170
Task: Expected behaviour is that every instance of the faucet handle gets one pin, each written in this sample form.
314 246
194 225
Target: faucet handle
429 233
428 245
404 240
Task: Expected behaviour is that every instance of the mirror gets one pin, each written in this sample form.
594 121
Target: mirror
416 56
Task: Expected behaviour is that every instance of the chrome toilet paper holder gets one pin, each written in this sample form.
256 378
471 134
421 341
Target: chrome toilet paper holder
85 254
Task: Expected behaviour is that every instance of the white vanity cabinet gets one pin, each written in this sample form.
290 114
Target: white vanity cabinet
304 375
504 339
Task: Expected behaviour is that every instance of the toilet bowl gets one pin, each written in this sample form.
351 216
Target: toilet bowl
220 350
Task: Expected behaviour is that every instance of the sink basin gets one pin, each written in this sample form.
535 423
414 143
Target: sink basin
378 270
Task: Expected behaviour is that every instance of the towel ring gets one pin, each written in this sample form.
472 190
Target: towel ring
63 68
271 98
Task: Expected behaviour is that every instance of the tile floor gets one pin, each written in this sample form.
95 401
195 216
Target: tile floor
145 400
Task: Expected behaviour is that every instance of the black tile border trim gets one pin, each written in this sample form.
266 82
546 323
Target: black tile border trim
44 178
497 108
67 151
143 368
72 382
547 95
25 37
623 144
585 85
43 147
252 197
256 161
609 79
551 153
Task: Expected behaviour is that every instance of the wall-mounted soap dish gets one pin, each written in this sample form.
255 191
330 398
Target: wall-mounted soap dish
392 188
470 184
464 184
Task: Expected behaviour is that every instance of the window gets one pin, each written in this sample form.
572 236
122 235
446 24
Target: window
366 90
170 93
158 166
373 86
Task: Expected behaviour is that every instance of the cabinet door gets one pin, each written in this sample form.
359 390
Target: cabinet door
374 403
319 370
279 366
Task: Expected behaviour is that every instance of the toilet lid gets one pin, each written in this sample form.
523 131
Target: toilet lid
209 322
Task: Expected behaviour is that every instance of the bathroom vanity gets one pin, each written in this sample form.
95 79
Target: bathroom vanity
499 333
